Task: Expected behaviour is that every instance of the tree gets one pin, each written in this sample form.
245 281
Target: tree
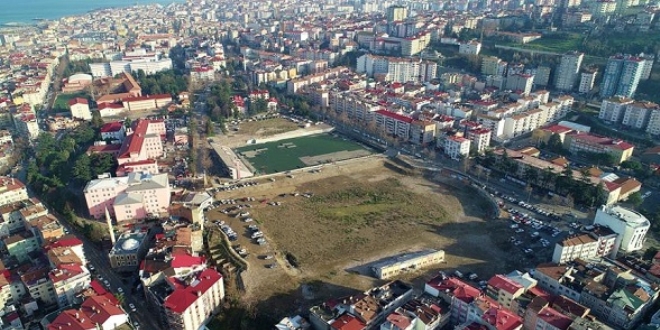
650 253
102 163
208 128
635 199
81 170
128 122
554 144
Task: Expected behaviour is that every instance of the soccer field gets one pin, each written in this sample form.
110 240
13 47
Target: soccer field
289 154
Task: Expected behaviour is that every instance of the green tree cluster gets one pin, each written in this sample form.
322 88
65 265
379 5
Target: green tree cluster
49 169
165 82
219 102
81 66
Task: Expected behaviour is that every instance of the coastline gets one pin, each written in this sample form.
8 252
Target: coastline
24 16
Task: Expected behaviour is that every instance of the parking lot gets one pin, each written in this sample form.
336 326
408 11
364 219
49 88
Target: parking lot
233 218
534 230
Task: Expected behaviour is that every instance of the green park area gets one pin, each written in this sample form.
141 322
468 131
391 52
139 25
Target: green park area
289 154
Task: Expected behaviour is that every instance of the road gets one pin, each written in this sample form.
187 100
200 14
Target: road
99 259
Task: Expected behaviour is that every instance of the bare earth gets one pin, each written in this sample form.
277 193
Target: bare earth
360 212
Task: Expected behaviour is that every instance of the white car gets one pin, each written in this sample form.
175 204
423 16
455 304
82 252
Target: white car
120 290
132 307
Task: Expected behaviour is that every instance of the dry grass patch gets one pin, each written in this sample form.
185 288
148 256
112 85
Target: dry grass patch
350 220
267 127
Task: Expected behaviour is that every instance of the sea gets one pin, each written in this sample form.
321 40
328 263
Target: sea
26 11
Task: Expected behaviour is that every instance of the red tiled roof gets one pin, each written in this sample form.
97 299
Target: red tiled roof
557 129
66 241
64 272
78 100
100 308
67 320
395 116
97 287
595 139
148 97
114 126
502 319
500 282
104 148
459 289
133 142
104 106
347 322
554 318
398 320
185 260
184 296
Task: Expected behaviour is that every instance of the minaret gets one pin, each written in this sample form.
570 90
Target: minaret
108 220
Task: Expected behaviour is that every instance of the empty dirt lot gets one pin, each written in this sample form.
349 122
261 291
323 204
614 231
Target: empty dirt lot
360 211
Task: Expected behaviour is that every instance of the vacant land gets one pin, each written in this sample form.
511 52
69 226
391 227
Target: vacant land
289 154
267 127
559 43
360 212
62 101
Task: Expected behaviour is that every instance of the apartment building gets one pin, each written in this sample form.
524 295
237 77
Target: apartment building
479 139
129 198
587 80
393 123
68 281
630 226
621 76
493 66
353 105
456 147
638 114
568 70
577 142
598 241
150 64
613 109
369 308
522 123
422 132
187 302
98 312
653 126
143 142
503 290
20 245
396 68
577 247
520 82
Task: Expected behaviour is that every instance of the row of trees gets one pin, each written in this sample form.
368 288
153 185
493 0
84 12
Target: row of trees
219 102
579 190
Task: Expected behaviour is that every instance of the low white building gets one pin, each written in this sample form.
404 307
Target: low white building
407 262
80 109
471 47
